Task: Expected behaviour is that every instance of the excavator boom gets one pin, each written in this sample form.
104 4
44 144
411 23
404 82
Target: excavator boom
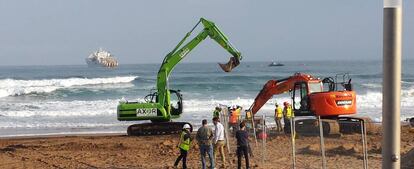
158 107
274 87
177 54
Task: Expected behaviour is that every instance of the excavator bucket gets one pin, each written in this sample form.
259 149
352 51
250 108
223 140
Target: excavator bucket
233 62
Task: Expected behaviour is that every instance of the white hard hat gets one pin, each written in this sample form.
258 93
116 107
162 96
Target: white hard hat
186 126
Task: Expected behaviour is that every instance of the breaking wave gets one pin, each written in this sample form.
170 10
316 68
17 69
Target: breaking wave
13 87
102 113
367 103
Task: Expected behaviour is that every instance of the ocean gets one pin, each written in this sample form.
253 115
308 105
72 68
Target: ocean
38 100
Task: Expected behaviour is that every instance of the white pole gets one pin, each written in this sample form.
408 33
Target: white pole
254 130
226 126
292 136
392 47
263 139
322 142
362 122
366 146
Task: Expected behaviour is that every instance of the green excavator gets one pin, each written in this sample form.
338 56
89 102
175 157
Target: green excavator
165 104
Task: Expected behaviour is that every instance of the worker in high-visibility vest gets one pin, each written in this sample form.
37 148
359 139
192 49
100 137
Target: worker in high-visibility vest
184 145
234 116
248 115
278 117
287 115
216 112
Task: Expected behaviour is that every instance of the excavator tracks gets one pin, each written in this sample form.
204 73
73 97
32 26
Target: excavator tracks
158 128
333 127
310 127
349 124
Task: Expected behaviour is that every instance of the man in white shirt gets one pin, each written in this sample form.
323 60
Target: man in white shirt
218 140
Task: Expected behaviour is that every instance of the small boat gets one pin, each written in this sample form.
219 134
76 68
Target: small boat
276 64
101 58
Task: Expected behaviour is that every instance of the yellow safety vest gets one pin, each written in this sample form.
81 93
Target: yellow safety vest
238 112
278 112
248 115
289 113
185 144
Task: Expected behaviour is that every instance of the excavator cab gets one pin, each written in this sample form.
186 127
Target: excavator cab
176 101
300 97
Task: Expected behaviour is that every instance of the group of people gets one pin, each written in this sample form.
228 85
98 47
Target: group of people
211 143
287 114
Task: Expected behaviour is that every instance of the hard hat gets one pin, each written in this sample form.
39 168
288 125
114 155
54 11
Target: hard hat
186 126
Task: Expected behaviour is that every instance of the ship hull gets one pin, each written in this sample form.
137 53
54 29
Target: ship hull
94 64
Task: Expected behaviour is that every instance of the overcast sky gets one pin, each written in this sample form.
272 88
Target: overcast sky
49 32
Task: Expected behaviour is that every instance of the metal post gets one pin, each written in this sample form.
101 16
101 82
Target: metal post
263 139
292 136
226 126
322 142
364 148
392 47
254 130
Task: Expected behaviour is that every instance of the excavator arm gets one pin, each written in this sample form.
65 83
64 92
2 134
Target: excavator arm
274 87
158 107
177 54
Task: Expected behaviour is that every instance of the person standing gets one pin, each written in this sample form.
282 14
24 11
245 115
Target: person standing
287 116
205 138
242 145
216 112
219 140
184 145
248 115
278 117
234 116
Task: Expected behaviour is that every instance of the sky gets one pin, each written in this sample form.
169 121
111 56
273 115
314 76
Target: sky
58 32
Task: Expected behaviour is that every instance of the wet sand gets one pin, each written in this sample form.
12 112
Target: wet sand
120 151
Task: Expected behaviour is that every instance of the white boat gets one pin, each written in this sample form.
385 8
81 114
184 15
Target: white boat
276 64
101 58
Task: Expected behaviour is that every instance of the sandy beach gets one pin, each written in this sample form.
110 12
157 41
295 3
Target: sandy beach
121 151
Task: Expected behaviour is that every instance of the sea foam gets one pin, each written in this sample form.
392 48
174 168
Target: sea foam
13 87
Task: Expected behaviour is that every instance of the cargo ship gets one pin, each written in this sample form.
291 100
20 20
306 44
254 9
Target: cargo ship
101 58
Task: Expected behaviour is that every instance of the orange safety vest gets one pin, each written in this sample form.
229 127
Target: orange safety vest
234 116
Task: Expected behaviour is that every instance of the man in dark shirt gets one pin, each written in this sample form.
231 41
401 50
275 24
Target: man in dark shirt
205 139
242 145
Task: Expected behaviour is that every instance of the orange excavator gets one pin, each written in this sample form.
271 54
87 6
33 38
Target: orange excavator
315 97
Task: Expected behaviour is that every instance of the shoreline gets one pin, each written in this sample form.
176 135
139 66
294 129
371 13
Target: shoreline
57 135
102 132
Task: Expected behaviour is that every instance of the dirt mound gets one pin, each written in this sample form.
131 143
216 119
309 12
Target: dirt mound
345 149
407 160
312 149
12 148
